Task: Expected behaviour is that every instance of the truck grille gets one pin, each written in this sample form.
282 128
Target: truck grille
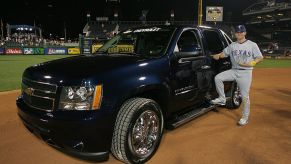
38 95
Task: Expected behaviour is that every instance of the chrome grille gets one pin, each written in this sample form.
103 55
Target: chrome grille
39 95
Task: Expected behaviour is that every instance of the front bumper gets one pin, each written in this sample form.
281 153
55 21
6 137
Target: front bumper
86 134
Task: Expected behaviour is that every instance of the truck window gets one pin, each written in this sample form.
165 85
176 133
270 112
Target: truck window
187 42
213 41
228 39
224 41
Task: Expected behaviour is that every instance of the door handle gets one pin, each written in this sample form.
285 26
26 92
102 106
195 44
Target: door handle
205 67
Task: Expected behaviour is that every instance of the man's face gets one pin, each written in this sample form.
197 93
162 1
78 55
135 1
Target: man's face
240 35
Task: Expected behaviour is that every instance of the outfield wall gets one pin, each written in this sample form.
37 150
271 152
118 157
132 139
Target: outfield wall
86 46
40 51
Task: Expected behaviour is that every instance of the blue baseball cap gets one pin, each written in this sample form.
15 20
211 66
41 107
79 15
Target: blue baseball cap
240 28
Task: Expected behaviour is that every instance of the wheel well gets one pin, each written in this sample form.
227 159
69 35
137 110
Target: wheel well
158 95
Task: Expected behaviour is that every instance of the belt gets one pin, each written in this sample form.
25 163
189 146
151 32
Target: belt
241 69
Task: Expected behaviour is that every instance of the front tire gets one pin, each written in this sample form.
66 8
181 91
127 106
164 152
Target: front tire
138 131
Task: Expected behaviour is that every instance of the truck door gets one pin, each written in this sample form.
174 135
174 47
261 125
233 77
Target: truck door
189 68
215 42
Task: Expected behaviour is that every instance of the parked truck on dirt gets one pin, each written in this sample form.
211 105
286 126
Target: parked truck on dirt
121 98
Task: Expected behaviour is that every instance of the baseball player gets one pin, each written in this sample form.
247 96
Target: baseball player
244 55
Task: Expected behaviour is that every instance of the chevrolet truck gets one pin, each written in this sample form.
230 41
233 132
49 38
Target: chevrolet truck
120 99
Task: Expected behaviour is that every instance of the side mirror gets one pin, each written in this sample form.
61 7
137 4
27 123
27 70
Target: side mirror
188 51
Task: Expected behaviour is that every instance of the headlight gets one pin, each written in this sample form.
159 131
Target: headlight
81 98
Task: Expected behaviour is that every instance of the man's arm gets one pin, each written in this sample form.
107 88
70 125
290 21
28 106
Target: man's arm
218 56
258 57
252 63
225 53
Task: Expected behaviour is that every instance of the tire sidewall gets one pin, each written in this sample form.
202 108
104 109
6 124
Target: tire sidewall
153 106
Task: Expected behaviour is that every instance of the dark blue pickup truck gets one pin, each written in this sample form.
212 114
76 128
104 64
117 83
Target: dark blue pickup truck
121 98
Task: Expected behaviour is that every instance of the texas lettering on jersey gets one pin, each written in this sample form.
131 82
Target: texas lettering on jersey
241 56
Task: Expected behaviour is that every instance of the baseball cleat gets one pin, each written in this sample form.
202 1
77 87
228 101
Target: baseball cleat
217 101
243 121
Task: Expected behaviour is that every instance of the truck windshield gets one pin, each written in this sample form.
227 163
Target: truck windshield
150 42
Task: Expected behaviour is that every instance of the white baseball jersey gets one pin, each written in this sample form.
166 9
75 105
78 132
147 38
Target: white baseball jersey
242 53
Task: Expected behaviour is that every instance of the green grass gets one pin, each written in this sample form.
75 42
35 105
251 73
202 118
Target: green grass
12 67
275 63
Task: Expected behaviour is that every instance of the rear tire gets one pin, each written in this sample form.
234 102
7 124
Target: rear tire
138 131
234 96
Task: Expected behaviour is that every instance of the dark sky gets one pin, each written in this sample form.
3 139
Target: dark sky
51 14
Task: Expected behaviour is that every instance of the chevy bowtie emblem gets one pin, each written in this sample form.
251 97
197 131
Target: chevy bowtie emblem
28 91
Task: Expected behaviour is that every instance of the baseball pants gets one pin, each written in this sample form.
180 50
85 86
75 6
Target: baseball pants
243 79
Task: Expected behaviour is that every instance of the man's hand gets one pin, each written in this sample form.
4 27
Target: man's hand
217 56
252 63
248 64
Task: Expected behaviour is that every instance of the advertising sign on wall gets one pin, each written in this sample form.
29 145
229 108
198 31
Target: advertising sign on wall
2 51
56 51
87 46
28 51
95 47
16 51
73 51
38 51
121 48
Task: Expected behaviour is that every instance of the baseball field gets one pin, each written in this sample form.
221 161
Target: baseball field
211 138
12 67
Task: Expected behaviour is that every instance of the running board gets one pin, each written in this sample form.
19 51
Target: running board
184 118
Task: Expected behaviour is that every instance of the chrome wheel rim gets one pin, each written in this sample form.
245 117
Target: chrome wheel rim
237 96
145 134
